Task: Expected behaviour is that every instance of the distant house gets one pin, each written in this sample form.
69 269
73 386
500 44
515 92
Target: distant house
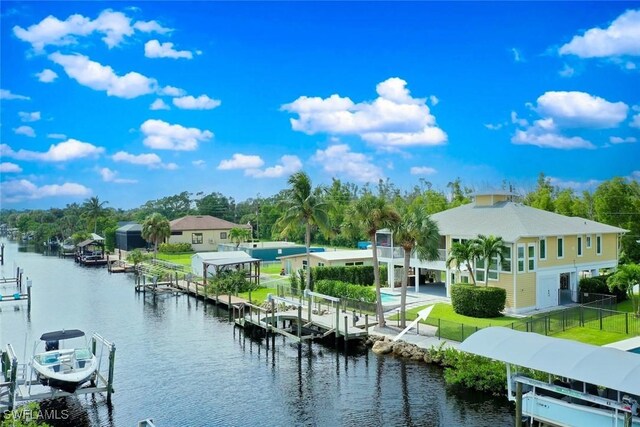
203 232
129 237
268 251
546 255
292 263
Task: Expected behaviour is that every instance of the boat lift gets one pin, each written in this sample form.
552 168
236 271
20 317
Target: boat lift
18 382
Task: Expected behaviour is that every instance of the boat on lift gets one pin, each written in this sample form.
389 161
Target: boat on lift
64 368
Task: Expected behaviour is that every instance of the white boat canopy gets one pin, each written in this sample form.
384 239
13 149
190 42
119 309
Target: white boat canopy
602 366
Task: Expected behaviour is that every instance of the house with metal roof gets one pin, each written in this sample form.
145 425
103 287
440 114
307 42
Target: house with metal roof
292 263
546 253
202 232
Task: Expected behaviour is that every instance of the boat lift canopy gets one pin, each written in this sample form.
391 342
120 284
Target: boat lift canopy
64 334
603 366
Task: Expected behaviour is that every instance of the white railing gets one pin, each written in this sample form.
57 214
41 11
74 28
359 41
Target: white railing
398 252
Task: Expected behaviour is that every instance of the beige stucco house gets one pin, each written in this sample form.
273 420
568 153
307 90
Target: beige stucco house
203 232
292 263
546 256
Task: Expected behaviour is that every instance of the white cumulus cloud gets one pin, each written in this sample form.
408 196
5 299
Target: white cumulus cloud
56 136
29 117
635 122
621 38
171 91
155 49
18 190
6 94
25 130
101 77
149 159
241 161
203 102
159 104
580 109
47 75
72 149
109 175
288 165
339 161
393 119
422 170
543 133
8 167
619 140
164 136
113 26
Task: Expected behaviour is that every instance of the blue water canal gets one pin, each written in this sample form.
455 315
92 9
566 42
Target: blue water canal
182 363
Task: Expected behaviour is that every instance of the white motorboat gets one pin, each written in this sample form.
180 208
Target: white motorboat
64 368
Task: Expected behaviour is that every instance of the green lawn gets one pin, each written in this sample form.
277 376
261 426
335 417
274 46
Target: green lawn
590 336
271 268
182 259
626 305
258 296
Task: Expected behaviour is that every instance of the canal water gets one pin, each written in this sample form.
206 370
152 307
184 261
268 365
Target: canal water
182 363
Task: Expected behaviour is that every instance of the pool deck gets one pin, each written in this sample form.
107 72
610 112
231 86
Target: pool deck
626 345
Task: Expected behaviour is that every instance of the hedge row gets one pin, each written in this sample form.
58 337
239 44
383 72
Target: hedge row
478 301
598 285
356 275
338 289
174 248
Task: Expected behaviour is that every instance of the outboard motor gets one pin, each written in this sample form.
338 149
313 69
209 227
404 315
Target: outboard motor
51 345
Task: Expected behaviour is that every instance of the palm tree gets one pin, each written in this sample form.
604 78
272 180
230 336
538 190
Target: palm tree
93 207
370 214
489 247
155 229
303 206
463 254
415 230
238 235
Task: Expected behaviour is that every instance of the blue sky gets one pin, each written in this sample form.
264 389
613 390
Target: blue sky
136 101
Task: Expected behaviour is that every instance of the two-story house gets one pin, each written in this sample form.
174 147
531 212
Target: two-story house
546 252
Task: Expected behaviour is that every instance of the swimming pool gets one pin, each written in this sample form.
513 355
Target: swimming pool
635 350
393 297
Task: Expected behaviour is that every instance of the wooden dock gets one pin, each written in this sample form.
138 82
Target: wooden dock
119 266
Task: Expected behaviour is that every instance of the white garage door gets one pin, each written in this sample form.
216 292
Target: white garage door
547 291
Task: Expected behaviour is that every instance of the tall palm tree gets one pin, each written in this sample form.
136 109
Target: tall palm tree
155 229
238 235
489 247
93 207
463 254
303 206
415 230
370 214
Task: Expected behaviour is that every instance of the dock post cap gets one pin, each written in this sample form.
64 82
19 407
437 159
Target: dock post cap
269 297
306 293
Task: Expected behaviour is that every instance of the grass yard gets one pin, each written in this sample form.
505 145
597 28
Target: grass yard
258 296
590 336
272 268
182 259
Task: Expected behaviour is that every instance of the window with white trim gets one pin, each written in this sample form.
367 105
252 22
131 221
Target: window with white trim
531 252
196 238
493 268
479 270
505 265
598 244
588 239
560 247
520 258
543 248
579 246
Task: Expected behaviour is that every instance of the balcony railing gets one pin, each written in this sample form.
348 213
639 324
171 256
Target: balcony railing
398 252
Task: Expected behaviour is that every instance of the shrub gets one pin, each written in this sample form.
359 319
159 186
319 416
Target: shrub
231 283
598 285
356 275
477 301
338 289
174 248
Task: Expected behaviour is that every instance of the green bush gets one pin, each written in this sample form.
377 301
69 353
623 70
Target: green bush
598 285
338 289
174 248
357 275
230 283
478 301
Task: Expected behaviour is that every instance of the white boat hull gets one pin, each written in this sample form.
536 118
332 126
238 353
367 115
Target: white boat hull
65 369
